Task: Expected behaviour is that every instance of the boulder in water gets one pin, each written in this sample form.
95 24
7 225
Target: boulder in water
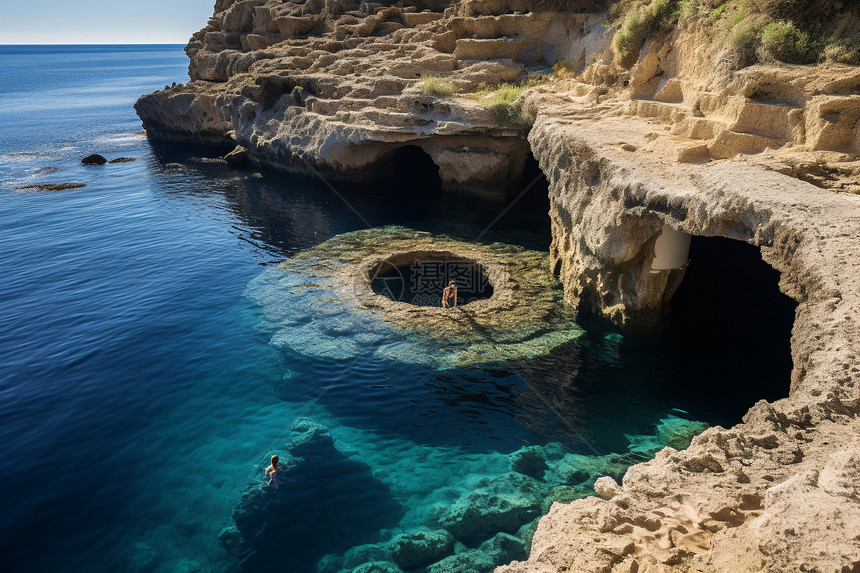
529 460
94 159
504 548
378 567
361 554
238 158
52 187
505 504
561 494
411 550
470 561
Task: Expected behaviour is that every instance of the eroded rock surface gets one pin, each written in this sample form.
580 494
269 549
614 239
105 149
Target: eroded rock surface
738 499
334 87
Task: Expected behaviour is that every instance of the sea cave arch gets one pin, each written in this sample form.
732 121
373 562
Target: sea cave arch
728 327
412 166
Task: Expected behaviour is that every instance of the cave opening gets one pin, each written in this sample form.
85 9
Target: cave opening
729 313
421 278
724 345
413 168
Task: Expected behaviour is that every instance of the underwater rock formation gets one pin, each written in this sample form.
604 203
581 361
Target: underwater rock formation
473 520
321 302
419 548
271 523
504 504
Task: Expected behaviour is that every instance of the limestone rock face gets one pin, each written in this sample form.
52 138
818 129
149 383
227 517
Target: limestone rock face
334 87
777 492
823 501
185 113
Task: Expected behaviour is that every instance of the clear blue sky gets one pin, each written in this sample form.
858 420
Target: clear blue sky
102 21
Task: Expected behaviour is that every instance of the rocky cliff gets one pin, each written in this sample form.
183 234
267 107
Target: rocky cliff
643 118
336 87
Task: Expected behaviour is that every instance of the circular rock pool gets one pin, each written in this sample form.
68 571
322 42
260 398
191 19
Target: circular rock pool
376 292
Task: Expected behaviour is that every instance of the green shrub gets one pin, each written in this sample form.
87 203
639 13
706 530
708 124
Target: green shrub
744 37
688 9
641 23
491 95
718 11
501 99
437 86
784 42
507 114
564 69
843 52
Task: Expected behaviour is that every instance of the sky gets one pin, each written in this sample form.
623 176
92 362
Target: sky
102 21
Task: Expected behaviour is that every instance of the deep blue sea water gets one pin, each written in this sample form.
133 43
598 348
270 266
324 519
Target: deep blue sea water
139 396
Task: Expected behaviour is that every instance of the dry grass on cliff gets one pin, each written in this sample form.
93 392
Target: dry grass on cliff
788 31
502 101
437 86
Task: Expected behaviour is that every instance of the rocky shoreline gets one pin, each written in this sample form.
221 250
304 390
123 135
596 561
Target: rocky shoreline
768 155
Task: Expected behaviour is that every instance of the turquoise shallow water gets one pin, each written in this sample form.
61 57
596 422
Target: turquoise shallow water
139 394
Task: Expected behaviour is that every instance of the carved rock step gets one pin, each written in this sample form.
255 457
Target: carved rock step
669 112
495 49
487 27
769 120
731 143
699 128
414 19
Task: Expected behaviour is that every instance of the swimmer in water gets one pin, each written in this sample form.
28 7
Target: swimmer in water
272 472
449 293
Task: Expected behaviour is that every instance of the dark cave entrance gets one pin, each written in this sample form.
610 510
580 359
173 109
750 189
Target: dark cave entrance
421 281
413 168
725 344
730 314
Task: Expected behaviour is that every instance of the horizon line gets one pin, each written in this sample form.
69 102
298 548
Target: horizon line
93 44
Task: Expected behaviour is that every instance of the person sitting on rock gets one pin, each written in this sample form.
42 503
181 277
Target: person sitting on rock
272 472
449 293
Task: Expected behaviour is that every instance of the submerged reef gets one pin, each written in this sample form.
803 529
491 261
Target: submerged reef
321 302
469 516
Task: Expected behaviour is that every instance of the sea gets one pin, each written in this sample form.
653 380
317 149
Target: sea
141 396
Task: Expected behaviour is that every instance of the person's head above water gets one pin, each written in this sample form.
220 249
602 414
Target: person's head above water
275 461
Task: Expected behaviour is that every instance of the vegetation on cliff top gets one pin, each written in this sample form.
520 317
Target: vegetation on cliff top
500 98
788 31
435 85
